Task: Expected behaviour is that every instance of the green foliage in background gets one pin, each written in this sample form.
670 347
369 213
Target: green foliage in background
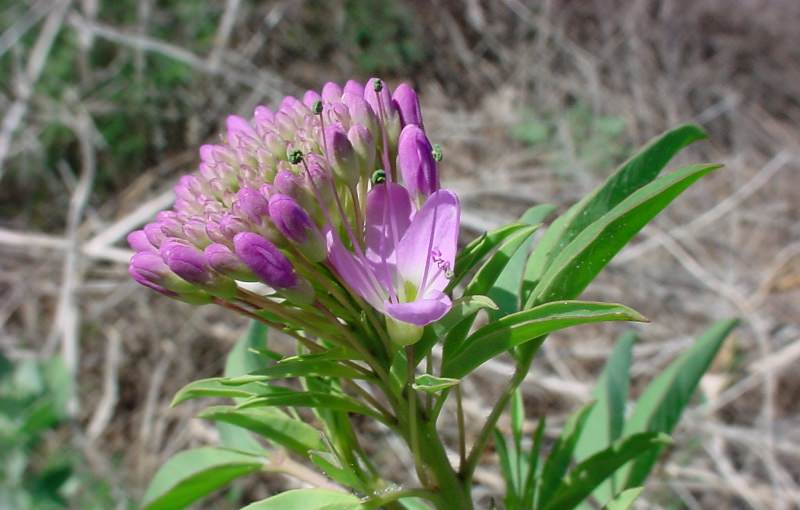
38 468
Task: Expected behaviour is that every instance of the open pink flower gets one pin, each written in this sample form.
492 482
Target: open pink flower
407 260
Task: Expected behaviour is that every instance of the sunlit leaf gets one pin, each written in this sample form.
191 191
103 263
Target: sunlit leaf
308 499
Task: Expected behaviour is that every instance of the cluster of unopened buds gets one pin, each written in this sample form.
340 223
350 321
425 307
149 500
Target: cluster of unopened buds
325 210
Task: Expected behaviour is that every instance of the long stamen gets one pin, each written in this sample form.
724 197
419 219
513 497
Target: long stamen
382 117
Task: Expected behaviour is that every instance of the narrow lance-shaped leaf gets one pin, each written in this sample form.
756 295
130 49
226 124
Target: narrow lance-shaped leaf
532 476
484 279
529 325
663 401
577 264
605 422
308 499
639 170
463 307
193 474
311 399
593 471
271 423
474 252
624 500
242 360
428 383
507 287
559 458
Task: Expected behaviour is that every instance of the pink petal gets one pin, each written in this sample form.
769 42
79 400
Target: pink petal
355 273
389 212
424 311
427 251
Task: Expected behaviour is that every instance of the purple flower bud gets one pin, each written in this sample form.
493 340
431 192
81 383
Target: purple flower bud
154 234
252 206
407 103
265 260
379 99
186 262
194 230
263 115
361 112
230 225
294 222
311 97
341 154
288 103
332 92
416 163
147 269
225 262
240 132
139 242
364 147
354 87
287 182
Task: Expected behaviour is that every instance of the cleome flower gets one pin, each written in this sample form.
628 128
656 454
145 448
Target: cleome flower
337 190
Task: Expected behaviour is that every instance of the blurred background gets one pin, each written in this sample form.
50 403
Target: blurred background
103 105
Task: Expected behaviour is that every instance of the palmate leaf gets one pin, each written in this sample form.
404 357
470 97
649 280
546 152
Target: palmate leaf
526 326
663 401
576 266
308 499
193 474
639 170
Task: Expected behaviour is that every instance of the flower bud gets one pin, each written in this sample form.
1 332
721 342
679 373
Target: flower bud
149 269
252 206
341 155
154 233
194 230
296 225
331 92
364 147
222 260
416 163
354 87
407 103
139 242
190 264
310 98
271 266
361 113
240 132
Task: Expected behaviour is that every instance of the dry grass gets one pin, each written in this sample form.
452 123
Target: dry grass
730 247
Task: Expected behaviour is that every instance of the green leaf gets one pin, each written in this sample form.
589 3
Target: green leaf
463 307
533 324
506 290
328 463
508 468
639 170
593 471
271 423
308 499
531 477
474 252
241 360
605 422
312 399
214 387
193 474
488 273
624 500
559 458
663 401
517 418
431 384
300 366
579 262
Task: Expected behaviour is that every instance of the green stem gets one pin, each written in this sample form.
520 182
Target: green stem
468 470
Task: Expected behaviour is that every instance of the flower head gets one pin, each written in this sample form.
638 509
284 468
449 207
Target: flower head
287 199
